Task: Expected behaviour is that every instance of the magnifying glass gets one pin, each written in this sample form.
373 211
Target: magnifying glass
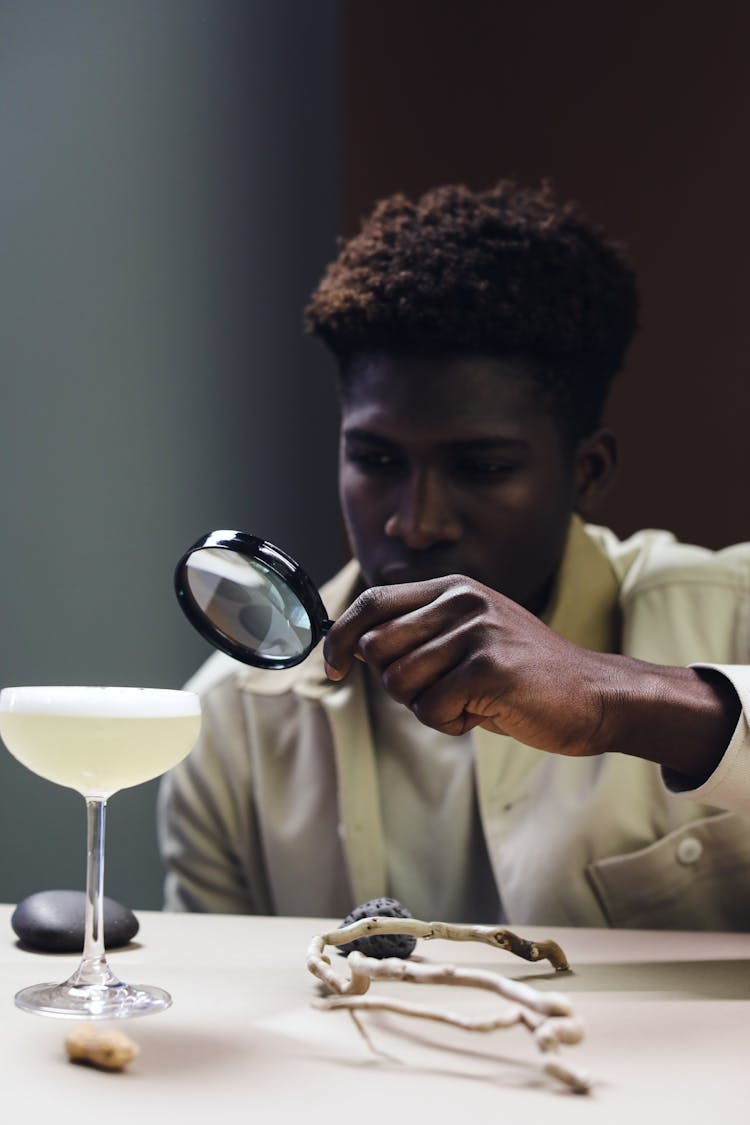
248 598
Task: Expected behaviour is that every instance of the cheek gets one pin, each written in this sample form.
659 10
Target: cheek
542 543
358 508
542 527
523 537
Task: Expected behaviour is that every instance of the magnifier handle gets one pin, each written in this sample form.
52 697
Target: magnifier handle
325 626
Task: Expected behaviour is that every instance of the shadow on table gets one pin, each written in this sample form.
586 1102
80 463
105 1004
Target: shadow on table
398 1043
695 980
179 1049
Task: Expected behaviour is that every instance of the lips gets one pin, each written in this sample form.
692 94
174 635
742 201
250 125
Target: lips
399 572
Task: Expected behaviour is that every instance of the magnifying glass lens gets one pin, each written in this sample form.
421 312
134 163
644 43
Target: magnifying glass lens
250 599
248 603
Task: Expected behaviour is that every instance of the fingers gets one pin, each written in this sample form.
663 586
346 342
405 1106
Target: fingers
460 697
460 655
373 608
442 682
407 676
430 666
434 646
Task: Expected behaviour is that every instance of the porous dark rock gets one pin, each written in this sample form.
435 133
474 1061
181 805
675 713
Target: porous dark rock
53 922
380 945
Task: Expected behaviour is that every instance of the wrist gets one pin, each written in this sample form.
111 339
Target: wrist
679 718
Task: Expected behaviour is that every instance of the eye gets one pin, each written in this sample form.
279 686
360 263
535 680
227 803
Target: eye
373 460
487 467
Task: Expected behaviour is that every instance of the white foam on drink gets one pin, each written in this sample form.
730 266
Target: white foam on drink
100 702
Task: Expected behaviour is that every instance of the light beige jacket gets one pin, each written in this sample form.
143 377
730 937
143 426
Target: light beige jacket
277 810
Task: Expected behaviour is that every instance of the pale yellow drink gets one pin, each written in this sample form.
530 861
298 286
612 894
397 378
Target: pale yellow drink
98 740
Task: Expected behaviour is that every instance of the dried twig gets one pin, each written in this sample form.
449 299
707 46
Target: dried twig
548 1016
496 936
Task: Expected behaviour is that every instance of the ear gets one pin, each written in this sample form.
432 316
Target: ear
595 469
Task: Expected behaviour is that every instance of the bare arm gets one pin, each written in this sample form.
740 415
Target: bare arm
460 655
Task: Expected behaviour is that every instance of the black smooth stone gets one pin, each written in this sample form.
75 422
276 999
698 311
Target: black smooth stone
53 921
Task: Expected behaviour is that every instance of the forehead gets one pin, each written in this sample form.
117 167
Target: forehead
445 398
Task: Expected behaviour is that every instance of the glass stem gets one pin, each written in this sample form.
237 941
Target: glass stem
93 969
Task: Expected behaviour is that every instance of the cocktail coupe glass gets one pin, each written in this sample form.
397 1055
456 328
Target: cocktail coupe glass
97 740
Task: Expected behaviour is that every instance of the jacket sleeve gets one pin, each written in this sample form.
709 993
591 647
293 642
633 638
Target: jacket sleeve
728 787
206 825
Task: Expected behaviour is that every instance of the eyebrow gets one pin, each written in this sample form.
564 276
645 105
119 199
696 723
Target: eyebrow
478 444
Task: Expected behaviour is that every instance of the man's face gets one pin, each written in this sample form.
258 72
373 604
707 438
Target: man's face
451 465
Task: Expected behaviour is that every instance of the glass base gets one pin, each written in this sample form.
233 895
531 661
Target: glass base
93 1001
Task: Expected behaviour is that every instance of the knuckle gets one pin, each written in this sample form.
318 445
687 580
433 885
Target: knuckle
480 665
431 714
367 602
368 646
465 595
423 711
394 681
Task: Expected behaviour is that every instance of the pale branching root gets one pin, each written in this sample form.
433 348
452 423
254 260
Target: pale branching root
106 1050
548 1016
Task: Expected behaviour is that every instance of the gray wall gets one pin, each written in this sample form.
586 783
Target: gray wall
168 196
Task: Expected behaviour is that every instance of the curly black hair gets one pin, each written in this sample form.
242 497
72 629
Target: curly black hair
506 272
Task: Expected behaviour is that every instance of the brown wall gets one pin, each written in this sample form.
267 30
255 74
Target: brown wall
639 110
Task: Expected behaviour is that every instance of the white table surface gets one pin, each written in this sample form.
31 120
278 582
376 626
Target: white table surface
667 1016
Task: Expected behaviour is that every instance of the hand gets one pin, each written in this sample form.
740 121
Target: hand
461 655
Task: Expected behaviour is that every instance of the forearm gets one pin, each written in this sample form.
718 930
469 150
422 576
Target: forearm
679 718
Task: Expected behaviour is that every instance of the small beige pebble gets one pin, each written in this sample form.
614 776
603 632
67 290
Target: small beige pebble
107 1050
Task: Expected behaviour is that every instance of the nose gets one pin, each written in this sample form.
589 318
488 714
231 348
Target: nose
423 515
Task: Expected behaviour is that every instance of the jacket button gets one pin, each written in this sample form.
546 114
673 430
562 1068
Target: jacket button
689 850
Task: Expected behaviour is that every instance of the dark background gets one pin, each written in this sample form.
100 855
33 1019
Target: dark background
174 176
641 112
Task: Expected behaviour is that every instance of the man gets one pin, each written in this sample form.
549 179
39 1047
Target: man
516 716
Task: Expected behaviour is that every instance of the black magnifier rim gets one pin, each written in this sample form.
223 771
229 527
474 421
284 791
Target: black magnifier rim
254 548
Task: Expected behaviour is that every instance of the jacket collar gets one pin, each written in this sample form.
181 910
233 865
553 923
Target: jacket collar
584 607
